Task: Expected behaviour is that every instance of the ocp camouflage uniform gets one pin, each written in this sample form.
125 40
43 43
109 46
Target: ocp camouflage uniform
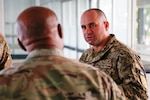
47 75
123 65
5 55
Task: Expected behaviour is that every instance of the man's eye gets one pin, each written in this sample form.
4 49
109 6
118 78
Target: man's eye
92 25
83 27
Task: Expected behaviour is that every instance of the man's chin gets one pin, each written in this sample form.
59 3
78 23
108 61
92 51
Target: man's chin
89 42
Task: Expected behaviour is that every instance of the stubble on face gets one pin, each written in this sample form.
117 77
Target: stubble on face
86 19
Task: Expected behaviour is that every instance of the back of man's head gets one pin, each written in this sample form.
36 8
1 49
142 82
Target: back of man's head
38 27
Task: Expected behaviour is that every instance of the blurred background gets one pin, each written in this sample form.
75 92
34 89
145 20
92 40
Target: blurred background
129 21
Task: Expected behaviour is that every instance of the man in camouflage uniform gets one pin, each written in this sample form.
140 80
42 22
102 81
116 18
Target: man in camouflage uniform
46 74
113 57
5 55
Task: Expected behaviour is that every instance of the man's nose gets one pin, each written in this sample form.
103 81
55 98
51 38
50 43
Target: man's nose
87 30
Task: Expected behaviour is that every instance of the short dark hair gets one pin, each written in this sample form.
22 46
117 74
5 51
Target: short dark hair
99 12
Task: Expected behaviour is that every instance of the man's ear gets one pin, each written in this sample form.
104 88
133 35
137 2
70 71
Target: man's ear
106 23
20 44
60 31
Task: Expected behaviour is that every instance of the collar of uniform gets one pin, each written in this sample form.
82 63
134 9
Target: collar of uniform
109 43
44 52
104 51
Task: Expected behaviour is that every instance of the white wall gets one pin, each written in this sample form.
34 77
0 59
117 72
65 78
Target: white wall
1 17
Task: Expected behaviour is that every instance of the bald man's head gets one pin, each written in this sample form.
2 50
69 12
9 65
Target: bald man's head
37 24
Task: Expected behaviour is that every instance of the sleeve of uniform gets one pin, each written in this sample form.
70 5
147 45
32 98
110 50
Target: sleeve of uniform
5 55
111 90
133 76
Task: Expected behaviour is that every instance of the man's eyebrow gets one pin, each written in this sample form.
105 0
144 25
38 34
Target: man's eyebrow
82 25
88 24
91 23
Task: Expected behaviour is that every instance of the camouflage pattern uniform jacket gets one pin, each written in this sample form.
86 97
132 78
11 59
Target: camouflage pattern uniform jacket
5 55
47 75
123 65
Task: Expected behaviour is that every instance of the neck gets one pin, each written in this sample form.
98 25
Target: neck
43 45
101 45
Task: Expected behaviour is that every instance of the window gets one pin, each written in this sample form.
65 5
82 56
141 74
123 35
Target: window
119 13
143 27
68 12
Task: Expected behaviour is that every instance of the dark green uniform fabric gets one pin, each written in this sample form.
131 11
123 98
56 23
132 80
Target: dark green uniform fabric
47 75
123 65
